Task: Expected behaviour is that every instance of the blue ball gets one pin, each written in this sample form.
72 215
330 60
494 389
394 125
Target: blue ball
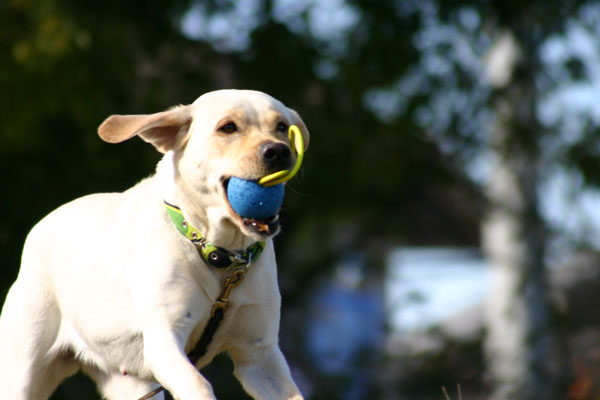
251 200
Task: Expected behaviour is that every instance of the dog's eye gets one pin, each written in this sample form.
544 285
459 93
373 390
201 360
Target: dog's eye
282 127
229 127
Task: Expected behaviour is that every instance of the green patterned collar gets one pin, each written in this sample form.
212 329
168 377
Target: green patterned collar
216 256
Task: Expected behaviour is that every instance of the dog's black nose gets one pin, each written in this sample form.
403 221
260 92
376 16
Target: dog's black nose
276 155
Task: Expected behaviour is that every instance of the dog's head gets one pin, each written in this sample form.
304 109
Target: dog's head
222 134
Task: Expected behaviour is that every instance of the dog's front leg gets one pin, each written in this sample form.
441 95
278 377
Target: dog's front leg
264 373
165 356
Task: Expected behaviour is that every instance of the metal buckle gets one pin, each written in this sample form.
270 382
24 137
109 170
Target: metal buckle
232 281
238 258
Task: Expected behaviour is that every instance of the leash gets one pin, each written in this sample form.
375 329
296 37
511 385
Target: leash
219 258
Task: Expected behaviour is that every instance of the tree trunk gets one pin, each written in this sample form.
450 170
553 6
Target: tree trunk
512 235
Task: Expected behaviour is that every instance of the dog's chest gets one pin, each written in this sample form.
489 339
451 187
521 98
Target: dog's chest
184 305
211 334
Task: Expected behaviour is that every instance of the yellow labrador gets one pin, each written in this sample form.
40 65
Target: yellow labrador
110 284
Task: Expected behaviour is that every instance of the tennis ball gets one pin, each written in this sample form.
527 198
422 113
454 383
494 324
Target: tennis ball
251 200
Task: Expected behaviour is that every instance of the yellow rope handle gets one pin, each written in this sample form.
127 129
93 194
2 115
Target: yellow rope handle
285 175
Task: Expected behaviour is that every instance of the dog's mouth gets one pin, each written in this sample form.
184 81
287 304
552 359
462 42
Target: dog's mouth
263 227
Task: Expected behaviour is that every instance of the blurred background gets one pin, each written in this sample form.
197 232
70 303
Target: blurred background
441 241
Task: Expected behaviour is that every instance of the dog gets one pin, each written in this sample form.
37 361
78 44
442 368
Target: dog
109 285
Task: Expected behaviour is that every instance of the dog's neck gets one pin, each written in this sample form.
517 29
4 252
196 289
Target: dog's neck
210 219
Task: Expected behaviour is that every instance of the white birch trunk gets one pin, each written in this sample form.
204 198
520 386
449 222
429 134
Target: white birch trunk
512 236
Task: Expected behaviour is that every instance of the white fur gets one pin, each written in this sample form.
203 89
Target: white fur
108 284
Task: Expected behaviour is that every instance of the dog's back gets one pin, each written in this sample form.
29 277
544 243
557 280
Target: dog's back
61 289
31 318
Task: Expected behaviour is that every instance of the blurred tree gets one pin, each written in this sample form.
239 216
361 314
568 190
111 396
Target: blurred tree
481 71
513 233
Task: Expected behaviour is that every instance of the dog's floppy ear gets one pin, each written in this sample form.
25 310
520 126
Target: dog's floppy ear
296 120
165 130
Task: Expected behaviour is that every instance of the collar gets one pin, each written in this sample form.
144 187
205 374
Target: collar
218 257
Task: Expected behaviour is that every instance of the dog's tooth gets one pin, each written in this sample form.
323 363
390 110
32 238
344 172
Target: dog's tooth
262 227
